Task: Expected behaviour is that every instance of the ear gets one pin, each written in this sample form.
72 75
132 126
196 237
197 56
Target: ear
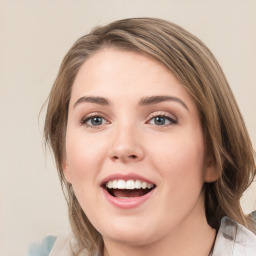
67 172
211 173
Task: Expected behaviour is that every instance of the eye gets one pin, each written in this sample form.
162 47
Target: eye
162 120
93 121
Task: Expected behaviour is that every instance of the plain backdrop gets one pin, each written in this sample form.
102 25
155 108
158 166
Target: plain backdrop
34 36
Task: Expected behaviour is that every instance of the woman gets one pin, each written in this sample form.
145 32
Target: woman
150 145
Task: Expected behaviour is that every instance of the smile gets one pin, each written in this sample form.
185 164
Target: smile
127 191
129 184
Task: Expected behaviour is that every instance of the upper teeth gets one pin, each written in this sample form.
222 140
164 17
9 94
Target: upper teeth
129 184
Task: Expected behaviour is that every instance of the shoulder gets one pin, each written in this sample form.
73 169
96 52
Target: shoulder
43 248
234 239
63 245
53 246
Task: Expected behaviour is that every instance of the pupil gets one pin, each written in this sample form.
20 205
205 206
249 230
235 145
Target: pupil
159 120
96 121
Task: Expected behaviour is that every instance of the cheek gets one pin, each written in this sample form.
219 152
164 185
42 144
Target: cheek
180 158
181 166
83 153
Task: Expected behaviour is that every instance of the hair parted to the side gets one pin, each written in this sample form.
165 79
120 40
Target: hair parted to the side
190 61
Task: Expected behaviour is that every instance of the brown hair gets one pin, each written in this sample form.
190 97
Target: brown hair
191 62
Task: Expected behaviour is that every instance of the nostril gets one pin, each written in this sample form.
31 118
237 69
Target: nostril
124 157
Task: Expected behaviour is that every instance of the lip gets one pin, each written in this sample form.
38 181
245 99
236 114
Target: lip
127 203
128 176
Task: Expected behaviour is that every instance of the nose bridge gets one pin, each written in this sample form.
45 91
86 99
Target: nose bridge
126 144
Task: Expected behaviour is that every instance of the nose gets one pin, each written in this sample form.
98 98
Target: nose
126 145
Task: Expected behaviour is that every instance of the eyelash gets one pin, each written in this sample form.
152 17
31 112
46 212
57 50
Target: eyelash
88 118
168 117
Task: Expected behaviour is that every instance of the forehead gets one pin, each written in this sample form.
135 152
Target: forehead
116 73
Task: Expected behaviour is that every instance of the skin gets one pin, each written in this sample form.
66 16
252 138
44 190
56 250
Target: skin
172 155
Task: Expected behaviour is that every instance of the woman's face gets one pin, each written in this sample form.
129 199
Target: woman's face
135 152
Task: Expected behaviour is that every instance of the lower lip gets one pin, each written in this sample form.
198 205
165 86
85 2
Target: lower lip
127 203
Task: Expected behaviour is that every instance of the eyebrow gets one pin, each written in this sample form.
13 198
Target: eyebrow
143 102
97 100
158 99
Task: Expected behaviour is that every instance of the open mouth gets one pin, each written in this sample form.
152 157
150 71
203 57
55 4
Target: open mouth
127 189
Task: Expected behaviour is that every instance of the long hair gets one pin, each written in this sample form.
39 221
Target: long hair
191 62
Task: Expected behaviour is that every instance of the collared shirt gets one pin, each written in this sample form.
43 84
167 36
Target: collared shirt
232 240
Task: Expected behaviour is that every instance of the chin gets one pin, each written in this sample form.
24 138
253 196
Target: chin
133 239
135 235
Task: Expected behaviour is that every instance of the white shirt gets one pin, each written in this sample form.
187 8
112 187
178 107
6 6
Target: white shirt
234 239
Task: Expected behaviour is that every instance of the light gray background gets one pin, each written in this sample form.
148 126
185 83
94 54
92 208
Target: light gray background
34 36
